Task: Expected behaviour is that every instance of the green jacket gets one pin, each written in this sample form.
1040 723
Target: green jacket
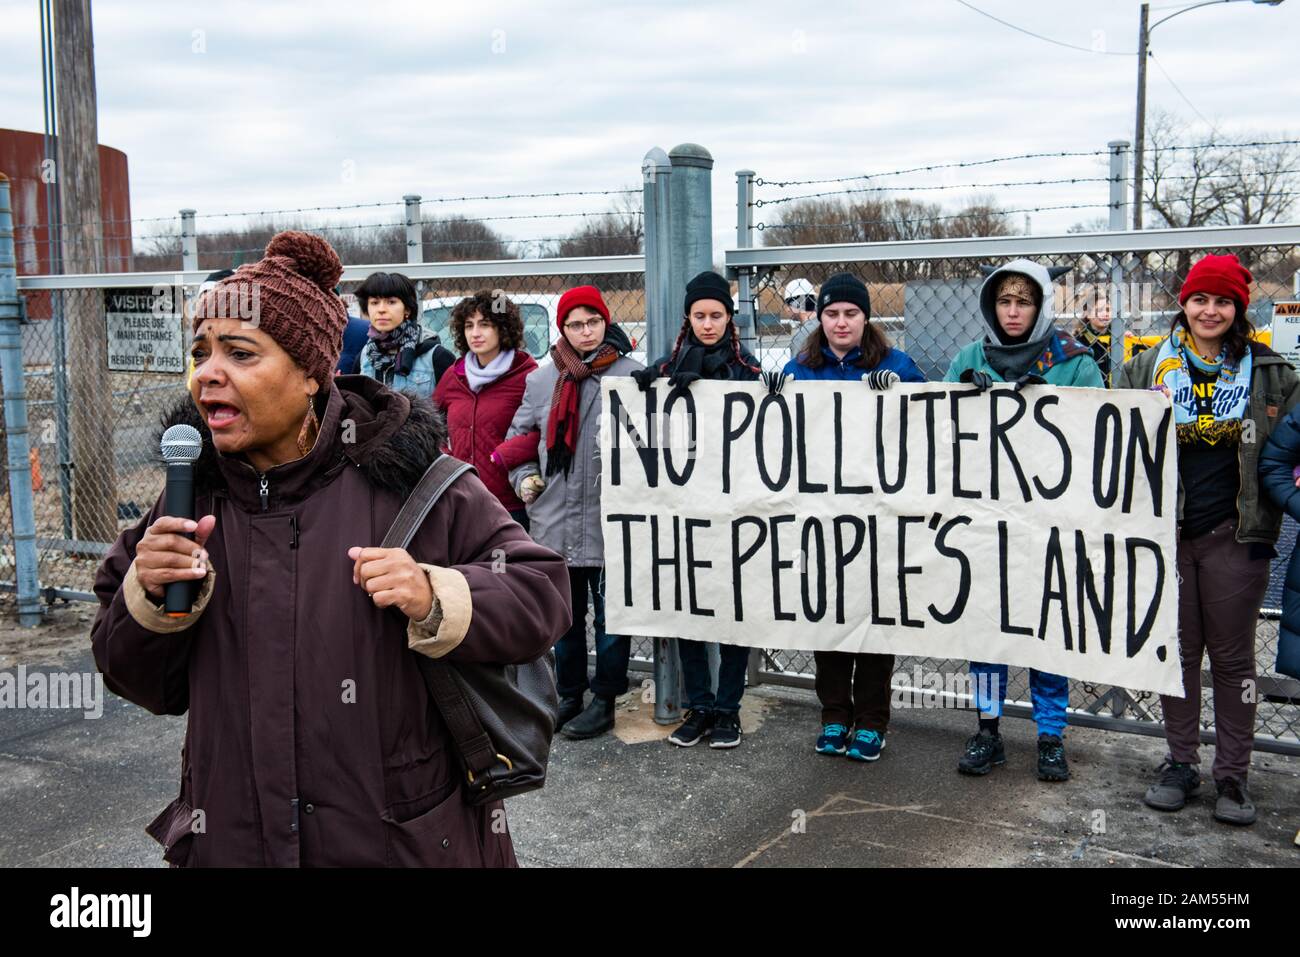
1078 370
1274 389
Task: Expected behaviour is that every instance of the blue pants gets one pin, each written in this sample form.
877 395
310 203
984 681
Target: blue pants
1050 694
698 683
612 651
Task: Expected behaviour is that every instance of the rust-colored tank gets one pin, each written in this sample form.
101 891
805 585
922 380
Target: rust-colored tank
21 156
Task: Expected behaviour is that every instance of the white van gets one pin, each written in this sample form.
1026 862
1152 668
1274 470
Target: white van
536 309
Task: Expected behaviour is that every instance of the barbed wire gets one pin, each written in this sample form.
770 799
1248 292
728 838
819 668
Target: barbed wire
494 219
931 219
782 184
758 203
431 242
575 192
346 206
919 189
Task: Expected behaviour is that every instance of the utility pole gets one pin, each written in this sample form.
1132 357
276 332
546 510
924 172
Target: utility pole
77 175
1139 134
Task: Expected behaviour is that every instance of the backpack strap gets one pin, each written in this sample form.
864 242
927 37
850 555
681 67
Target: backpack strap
436 480
457 713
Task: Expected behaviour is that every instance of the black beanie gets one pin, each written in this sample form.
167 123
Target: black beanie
844 287
708 285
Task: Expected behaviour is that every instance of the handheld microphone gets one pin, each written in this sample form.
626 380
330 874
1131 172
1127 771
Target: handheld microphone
181 445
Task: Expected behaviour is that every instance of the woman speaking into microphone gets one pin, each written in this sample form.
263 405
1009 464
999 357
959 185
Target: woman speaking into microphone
312 740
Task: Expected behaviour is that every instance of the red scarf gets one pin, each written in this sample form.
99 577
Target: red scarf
562 425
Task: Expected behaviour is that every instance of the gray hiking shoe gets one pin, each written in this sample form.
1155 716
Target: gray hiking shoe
1234 805
1177 782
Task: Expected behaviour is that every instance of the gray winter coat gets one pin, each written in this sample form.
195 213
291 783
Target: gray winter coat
566 516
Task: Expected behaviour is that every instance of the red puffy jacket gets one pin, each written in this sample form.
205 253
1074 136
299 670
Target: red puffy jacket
477 422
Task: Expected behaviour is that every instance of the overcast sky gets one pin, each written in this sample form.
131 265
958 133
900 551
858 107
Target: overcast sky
229 106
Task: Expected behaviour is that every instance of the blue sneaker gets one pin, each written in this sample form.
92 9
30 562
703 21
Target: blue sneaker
866 745
833 739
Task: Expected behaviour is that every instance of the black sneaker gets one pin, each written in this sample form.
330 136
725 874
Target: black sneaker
726 730
1052 765
983 751
1234 805
697 725
1177 782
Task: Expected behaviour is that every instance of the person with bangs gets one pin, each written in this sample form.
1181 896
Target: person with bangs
401 353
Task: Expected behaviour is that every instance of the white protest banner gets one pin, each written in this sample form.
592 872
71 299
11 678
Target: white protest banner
1033 528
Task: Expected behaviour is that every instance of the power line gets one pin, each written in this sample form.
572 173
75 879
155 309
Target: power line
1039 36
1178 90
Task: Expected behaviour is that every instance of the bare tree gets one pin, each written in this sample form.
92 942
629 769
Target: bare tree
618 232
885 219
459 238
1215 180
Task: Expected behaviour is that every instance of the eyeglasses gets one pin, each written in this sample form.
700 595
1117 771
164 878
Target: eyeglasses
589 325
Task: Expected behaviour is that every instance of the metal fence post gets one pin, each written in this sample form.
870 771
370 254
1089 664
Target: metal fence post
414 229
189 242
660 331
747 313
1118 222
17 437
692 221
656 178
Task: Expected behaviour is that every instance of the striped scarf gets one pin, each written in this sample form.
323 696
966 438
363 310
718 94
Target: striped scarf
562 424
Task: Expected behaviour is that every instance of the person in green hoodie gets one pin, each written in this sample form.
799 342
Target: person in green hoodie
1023 346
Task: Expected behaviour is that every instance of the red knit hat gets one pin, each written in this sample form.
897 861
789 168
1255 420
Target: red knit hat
289 295
588 296
1218 276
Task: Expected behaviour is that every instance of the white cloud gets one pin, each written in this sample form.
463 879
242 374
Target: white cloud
484 97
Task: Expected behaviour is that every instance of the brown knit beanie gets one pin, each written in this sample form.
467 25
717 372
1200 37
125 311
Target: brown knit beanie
289 295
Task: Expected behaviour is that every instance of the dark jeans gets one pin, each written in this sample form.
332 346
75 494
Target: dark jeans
1221 590
854 689
699 683
612 651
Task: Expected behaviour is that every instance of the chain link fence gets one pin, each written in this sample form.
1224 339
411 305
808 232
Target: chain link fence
94 425
928 306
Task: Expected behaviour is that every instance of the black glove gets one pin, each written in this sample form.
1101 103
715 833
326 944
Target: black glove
979 379
683 380
880 379
644 377
1029 378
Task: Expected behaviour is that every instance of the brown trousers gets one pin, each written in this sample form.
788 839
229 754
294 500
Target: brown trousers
854 689
1220 593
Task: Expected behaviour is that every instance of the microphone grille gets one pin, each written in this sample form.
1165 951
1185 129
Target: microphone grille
181 444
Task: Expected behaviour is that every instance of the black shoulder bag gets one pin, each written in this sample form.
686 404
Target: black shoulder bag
502 717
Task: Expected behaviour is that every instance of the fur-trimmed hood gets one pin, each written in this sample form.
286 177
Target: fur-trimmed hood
392 437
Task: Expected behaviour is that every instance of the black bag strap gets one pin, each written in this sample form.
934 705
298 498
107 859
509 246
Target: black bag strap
406 358
436 480
462 721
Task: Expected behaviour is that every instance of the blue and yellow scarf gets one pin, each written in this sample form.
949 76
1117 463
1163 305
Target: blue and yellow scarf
1208 413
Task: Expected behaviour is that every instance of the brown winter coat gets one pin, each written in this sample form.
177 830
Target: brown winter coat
311 738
